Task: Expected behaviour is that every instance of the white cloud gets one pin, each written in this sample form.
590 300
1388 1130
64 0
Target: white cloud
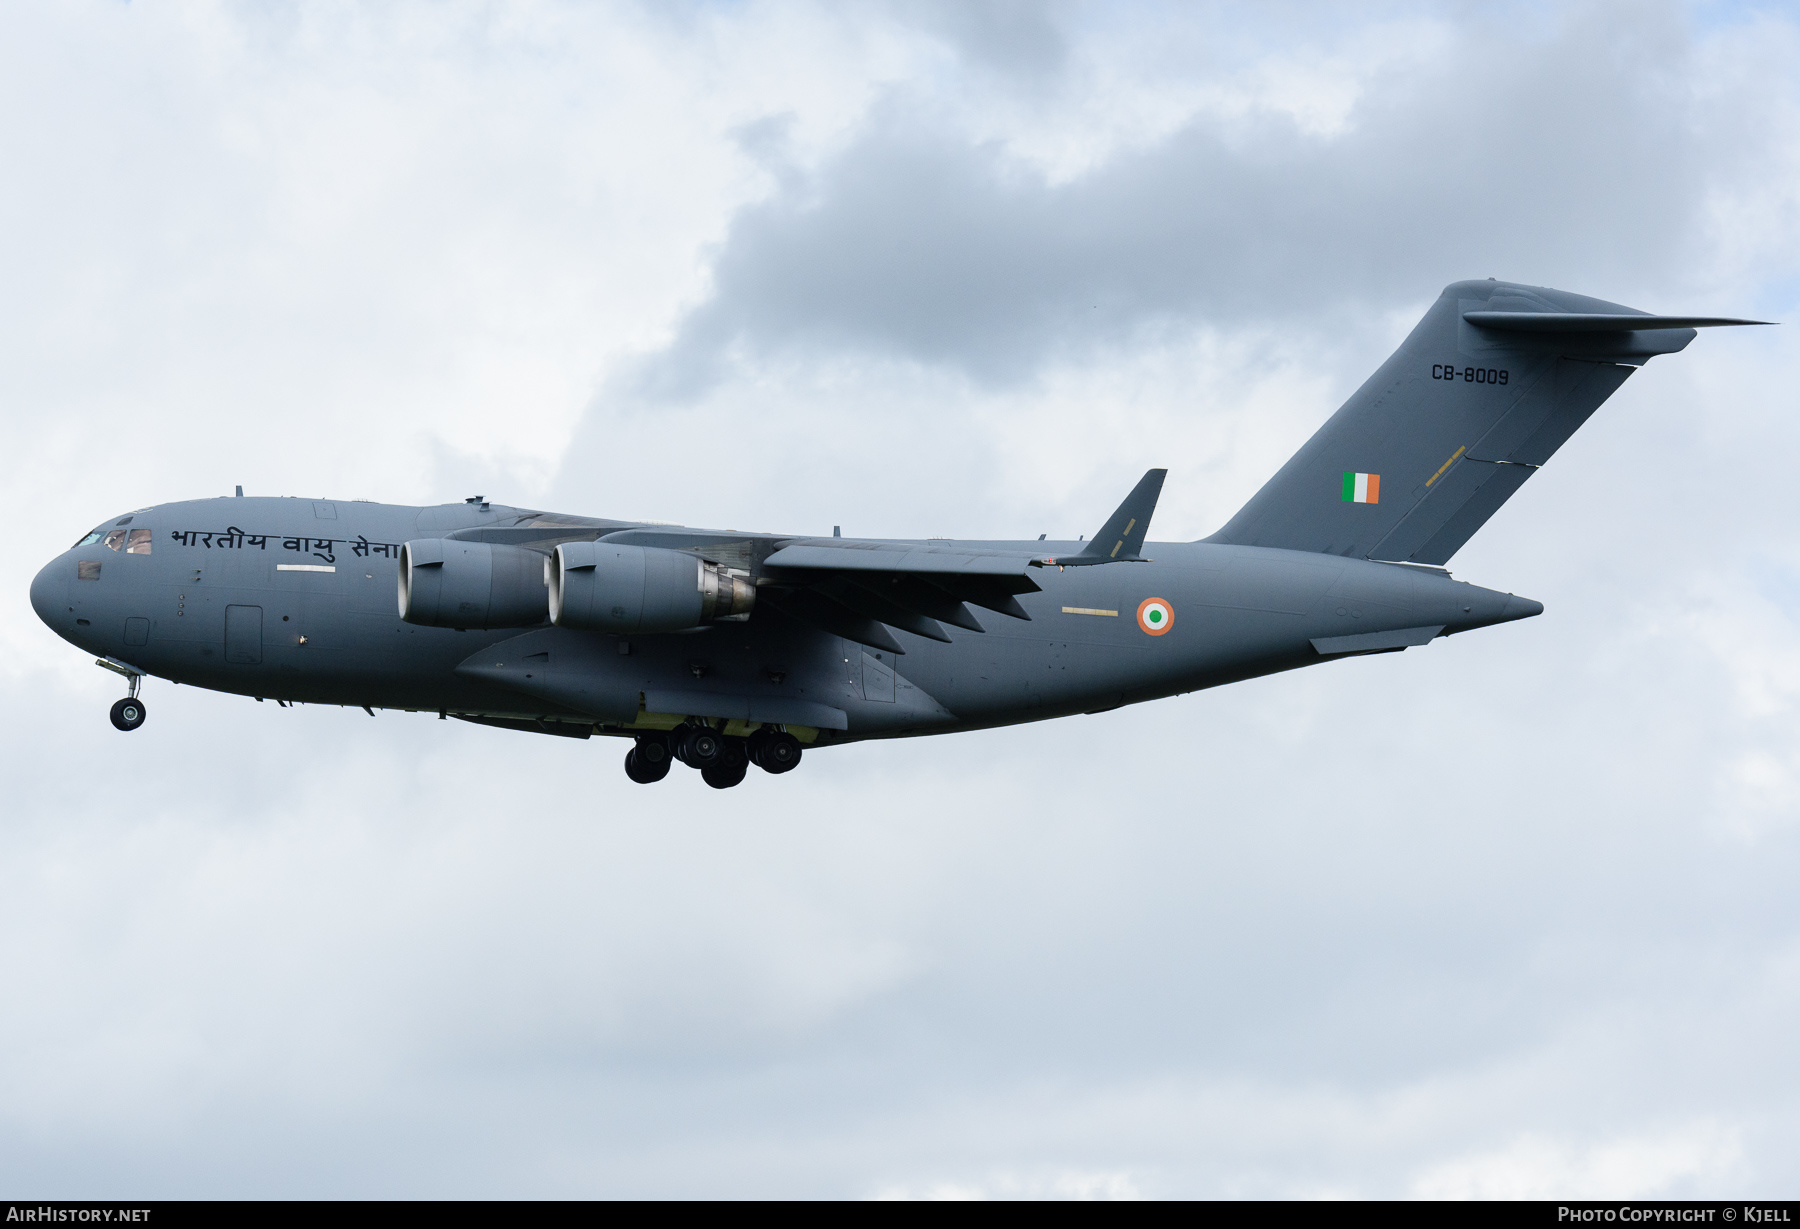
1506 914
1634 1168
1076 1185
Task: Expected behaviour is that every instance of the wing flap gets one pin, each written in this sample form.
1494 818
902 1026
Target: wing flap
817 610
898 558
920 597
879 608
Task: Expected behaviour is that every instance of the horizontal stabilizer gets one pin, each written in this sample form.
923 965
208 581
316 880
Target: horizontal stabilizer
1595 322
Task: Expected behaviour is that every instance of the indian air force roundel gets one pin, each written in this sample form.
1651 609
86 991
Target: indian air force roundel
1155 615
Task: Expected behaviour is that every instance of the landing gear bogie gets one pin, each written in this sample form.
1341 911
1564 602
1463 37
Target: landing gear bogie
734 755
641 772
697 746
721 759
721 776
775 751
648 760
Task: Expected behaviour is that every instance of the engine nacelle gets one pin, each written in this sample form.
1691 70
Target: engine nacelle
603 587
447 583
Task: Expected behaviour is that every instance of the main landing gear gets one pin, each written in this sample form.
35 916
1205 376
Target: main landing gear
723 761
648 760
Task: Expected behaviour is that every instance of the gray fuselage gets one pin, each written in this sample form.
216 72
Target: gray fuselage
295 600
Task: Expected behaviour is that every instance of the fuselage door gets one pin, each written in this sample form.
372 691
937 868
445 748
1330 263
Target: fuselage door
243 635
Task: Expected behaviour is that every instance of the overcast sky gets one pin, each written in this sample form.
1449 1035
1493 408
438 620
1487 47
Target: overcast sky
1513 914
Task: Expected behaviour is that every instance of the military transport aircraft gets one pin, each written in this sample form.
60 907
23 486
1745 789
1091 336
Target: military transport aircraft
722 649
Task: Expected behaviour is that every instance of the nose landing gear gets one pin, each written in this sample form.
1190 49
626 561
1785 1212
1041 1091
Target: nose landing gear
128 714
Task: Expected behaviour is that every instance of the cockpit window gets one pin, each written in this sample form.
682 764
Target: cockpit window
114 540
87 541
138 543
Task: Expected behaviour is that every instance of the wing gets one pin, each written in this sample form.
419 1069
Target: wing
859 589
863 589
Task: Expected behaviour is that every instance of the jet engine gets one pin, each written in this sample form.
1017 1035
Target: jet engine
446 583
603 587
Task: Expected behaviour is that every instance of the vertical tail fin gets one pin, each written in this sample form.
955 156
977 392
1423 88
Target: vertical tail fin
1487 387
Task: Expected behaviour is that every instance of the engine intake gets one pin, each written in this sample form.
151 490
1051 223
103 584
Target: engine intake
446 583
603 587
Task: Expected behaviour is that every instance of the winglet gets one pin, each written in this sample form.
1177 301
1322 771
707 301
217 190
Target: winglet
1122 537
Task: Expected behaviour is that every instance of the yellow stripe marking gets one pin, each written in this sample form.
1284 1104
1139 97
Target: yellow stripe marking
1446 465
1089 610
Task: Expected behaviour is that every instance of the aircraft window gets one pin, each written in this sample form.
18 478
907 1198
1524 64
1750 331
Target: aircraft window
87 541
114 540
139 543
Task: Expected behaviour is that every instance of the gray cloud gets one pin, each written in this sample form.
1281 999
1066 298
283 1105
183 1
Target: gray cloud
1568 154
1021 39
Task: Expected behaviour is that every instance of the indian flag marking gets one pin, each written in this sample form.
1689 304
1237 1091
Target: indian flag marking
1362 488
1155 615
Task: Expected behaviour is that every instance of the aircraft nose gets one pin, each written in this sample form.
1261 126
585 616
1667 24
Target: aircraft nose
46 593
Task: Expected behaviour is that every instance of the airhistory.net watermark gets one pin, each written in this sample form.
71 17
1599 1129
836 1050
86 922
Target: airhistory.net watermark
45 1214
